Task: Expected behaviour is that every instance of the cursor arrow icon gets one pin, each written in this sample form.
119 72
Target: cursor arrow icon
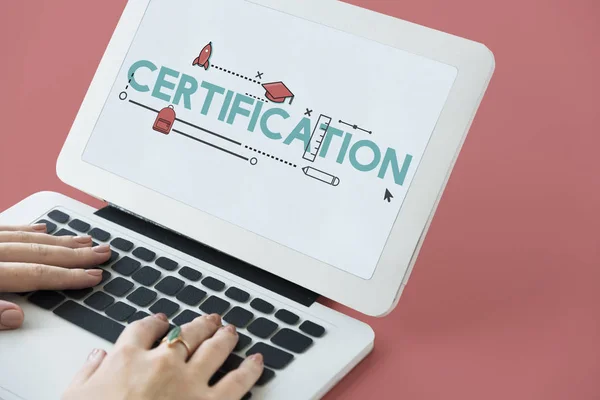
388 196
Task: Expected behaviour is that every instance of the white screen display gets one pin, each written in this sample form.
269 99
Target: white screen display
300 133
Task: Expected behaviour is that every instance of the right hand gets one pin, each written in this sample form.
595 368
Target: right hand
136 371
32 260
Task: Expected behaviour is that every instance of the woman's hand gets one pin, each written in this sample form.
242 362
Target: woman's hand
135 371
32 260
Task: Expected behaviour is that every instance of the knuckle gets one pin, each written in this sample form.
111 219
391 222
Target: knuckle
218 346
127 351
22 237
239 378
38 270
38 249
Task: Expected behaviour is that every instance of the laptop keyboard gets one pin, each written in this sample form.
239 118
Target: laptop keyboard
134 285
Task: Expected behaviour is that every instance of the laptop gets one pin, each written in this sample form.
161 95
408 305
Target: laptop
255 156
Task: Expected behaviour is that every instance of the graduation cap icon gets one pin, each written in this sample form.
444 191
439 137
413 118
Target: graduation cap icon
277 92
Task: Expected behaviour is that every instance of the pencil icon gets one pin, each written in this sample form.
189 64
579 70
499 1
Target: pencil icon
321 176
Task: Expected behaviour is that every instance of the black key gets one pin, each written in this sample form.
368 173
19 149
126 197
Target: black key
214 305
58 216
190 274
79 225
233 362
262 327
99 234
122 244
273 357
118 286
165 306
137 316
89 320
243 341
65 232
237 294
265 377
94 244
166 263
213 284
292 340
50 226
216 378
191 295
99 301
126 266
220 375
113 256
185 317
46 299
287 317
105 276
144 254
169 286
238 317
78 294
312 329
146 276
142 296
262 306
120 311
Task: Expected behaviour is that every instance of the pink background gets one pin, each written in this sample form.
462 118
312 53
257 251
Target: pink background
504 300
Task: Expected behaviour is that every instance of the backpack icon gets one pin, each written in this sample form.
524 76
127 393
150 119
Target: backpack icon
164 121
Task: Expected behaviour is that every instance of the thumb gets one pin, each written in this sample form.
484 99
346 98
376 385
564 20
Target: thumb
11 316
92 363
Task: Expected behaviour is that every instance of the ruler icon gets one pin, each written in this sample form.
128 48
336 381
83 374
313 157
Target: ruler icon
316 139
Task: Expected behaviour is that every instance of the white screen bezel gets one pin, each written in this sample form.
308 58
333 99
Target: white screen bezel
475 64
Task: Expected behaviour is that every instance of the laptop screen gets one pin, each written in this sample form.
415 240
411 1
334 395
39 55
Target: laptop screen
303 134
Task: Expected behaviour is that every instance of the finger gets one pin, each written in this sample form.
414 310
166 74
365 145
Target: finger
144 332
92 363
11 316
194 333
239 382
20 277
73 242
213 352
41 228
54 255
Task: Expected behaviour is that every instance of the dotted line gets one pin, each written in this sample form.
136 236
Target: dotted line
129 82
236 74
271 156
257 98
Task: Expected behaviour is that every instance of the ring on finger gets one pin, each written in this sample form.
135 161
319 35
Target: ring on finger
174 337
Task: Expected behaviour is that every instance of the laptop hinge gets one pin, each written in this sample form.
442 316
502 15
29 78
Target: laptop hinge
208 254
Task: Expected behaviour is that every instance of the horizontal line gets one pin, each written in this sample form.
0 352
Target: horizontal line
210 144
143 106
190 124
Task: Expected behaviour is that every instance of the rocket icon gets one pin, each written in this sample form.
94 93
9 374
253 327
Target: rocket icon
203 60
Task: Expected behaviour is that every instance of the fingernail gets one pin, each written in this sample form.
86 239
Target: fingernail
230 329
257 358
216 318
94 272
95 354
162 317
11 319
103 248
82 239
39 227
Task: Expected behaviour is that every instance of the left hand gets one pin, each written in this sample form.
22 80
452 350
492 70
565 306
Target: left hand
32 260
